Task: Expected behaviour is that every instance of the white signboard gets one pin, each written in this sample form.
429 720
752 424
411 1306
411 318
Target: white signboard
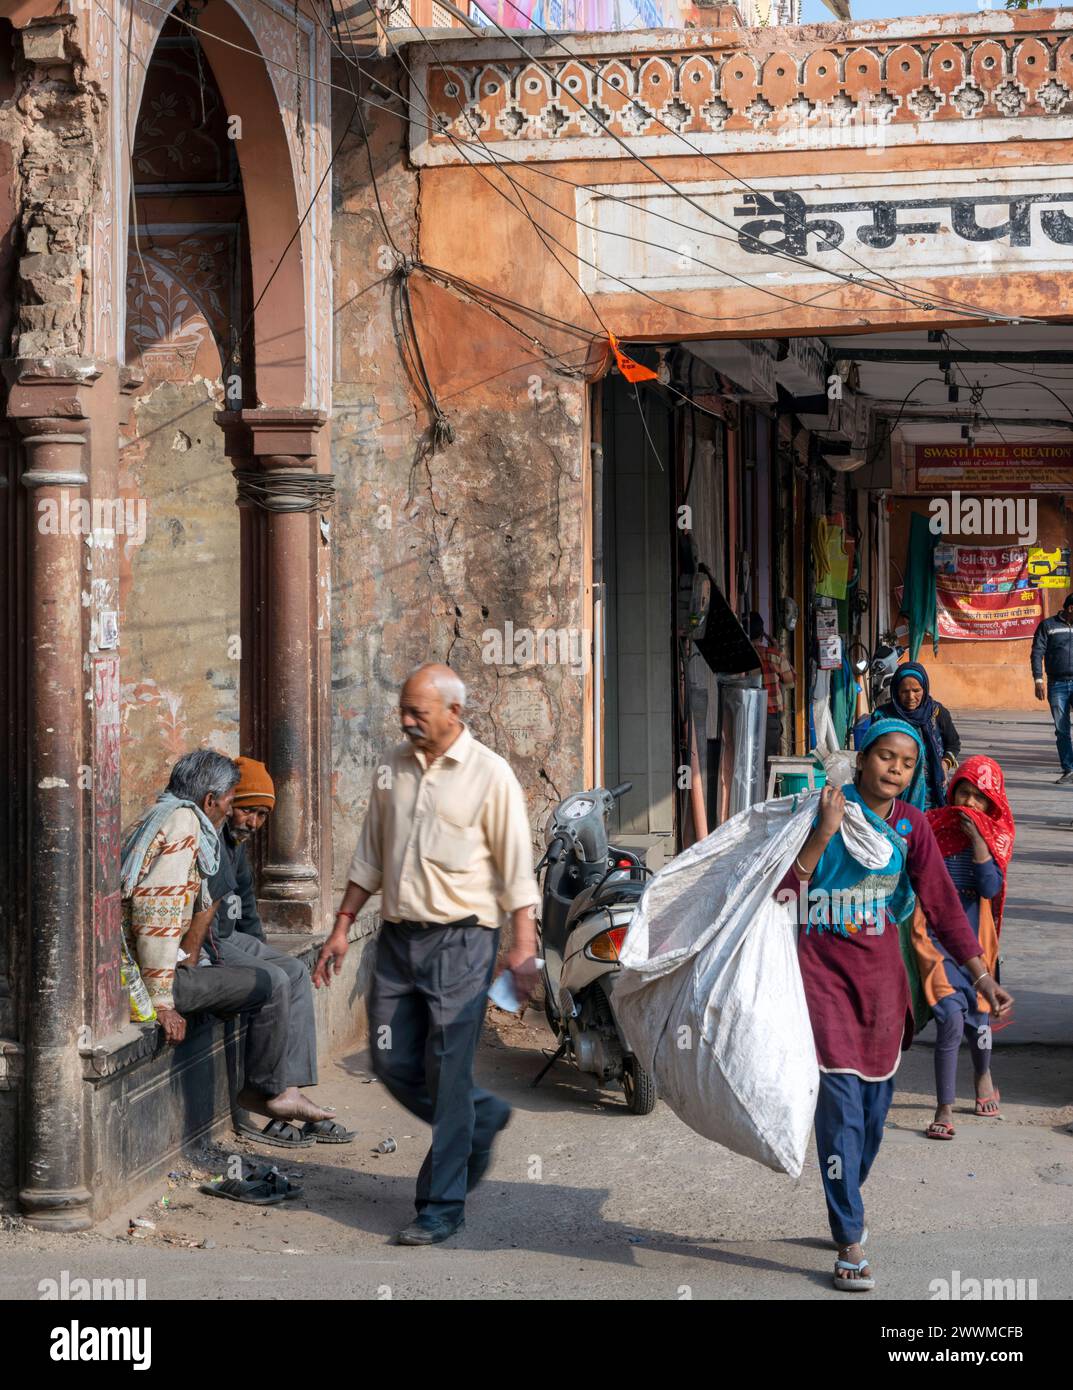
905 225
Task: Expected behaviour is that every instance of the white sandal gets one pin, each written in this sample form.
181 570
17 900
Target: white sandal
861 1284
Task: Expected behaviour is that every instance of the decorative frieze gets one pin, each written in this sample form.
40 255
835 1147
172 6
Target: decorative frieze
753 92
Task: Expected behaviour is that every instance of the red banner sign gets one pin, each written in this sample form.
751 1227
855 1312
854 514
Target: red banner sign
984 593
993 468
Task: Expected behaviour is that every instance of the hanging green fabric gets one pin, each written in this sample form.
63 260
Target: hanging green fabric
840 704
918 599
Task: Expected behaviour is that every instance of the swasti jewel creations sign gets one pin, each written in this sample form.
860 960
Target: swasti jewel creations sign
924 224
994 468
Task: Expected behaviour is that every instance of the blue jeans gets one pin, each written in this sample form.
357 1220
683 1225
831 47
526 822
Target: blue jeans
849 1130
1059 694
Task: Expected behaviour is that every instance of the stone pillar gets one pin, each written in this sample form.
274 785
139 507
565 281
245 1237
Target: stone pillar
51 415
284 694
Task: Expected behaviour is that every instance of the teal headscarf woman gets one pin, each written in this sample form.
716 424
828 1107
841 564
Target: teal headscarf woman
854 966
844 882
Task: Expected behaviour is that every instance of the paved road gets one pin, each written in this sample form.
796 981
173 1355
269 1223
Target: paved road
1037 937
587 1201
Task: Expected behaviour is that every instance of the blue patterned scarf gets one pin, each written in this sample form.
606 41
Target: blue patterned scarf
141 836
844 882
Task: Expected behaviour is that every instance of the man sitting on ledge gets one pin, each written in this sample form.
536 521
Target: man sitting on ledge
238 940
168 860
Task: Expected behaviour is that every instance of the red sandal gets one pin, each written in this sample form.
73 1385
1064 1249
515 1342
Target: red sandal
938 1129
988 1100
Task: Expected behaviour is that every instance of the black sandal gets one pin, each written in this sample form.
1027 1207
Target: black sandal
283 1133
329 1132
265 1187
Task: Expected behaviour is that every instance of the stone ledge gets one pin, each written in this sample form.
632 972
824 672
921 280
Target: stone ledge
138 1043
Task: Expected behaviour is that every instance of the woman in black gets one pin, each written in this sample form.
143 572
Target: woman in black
911 700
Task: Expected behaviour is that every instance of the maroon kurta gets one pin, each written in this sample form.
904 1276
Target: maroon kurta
856 986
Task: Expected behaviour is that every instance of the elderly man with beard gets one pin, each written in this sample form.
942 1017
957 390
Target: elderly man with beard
446 843
238 942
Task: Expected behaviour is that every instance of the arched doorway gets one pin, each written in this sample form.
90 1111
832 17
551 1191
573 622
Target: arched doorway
227 308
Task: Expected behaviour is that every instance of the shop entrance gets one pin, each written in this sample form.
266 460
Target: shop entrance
848 503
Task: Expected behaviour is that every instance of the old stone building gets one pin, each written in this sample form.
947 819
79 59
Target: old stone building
371 289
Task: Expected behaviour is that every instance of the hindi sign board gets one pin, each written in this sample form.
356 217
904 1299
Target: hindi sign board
964 221
985 593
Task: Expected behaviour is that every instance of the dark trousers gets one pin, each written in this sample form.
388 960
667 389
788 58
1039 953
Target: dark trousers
255 990
300 1029
425 1013
950 1026
850 1115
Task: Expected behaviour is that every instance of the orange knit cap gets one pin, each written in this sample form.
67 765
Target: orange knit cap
255 786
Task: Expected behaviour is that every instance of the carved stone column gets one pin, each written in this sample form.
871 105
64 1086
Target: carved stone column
284 690
51 414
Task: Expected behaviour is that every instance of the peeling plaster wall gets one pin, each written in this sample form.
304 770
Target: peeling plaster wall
179 590
433 553
62 114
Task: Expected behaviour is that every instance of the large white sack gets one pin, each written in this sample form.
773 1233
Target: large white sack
709 995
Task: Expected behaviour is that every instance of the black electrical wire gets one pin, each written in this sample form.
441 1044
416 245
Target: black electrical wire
802 260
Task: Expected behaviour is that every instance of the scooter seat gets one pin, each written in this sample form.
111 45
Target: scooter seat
617 891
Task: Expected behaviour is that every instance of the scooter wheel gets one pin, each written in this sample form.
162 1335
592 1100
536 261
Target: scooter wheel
639 1087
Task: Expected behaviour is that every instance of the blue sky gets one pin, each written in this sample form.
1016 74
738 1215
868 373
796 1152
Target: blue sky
814 12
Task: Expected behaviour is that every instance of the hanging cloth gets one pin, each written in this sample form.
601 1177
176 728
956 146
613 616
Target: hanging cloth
835 578
918 599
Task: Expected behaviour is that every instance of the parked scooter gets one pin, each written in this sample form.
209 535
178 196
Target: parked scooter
885 660
590 891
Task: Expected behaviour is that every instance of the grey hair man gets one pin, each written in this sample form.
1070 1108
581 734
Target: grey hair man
169 860
446 843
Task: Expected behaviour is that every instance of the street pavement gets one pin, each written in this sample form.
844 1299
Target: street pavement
586 1201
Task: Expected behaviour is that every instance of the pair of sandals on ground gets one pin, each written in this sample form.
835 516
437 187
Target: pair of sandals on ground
263 1184
304 1124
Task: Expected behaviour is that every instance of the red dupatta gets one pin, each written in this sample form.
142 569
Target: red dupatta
996 826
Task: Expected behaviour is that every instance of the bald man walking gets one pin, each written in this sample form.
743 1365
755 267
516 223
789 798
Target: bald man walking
446 843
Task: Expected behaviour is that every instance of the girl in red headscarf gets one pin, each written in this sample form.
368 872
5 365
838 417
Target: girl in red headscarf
975 833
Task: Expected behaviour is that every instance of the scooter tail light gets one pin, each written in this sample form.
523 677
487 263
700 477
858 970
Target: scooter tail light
608 944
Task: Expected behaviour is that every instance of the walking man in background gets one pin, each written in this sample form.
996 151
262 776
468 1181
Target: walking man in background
1052 652
446 842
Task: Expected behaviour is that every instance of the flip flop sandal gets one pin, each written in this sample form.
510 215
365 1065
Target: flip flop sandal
282 1133
256 1191
329 1132
938 1130
862 1284
987 1100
